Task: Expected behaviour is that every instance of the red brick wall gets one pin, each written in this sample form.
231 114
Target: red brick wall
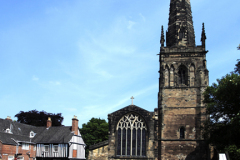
75 126
0 148
74 153
10 150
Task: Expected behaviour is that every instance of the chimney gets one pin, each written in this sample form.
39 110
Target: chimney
75 125
9 118
49 122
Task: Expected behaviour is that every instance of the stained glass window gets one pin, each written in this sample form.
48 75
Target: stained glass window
131 130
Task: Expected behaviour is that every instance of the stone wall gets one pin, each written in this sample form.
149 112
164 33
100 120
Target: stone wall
100 153
181 104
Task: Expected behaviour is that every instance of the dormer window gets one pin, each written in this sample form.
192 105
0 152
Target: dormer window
8 131
32 134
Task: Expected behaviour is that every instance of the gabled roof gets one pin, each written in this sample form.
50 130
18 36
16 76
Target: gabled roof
59 134
20 132
132 108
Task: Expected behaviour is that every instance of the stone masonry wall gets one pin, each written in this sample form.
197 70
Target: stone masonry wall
100 153
181 102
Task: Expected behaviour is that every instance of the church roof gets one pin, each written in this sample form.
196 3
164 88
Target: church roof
130 108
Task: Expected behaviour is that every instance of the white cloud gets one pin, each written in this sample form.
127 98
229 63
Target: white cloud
143 18
130 24
55 83
34 78
104 74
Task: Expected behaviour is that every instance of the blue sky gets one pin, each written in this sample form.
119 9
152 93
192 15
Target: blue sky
87 58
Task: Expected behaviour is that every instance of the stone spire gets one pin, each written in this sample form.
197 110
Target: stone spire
180 26
203 37
162 40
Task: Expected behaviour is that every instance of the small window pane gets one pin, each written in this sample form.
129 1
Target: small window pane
128 141
46 148
119 142
138 141
55 148
143 142
124 142
134 142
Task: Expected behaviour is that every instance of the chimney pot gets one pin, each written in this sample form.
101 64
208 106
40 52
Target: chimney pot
9 118
75 125
49 122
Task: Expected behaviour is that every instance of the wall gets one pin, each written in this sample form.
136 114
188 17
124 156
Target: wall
181 104
151 121
10 150
100 153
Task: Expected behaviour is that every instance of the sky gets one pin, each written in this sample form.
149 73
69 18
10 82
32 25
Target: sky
87 58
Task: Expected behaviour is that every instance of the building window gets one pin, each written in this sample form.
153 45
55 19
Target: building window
55 148
46 148
182 75
20 158
31 135
131 134
182 133
25 146
10 157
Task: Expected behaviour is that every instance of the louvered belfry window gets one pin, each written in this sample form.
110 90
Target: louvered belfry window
182 75
131 136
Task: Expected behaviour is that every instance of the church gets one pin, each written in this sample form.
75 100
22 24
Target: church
172 130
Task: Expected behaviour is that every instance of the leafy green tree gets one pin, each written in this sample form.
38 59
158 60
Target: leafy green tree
39 118
237 68
222 129
96 130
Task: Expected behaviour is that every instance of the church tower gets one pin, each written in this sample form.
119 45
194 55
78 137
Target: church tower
183 79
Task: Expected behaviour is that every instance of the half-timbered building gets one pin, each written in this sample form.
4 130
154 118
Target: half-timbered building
26 142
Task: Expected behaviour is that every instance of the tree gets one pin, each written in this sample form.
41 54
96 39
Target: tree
39 118
96 130
237 68
222 129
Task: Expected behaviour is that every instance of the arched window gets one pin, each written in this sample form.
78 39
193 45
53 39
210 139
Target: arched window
182 75
131 133
192 75
166 75
172 76
182 133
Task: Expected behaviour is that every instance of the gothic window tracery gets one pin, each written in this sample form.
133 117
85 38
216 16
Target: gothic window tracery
131 130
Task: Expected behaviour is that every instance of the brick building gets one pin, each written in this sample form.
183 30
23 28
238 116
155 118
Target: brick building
25 142
171 131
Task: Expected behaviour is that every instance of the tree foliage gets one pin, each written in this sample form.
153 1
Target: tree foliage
237 68
96 130
39 118
223 107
